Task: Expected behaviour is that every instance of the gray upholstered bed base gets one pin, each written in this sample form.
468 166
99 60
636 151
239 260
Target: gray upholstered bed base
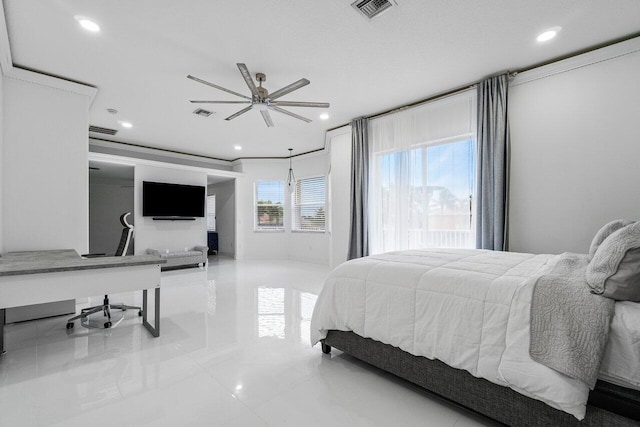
499 403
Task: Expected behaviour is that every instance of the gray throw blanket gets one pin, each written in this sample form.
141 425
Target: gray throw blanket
569 324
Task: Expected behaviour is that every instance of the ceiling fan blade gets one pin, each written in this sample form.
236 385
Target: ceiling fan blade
220 102
290 88
289 113
217 87
233 116
301 104
267 118
249 80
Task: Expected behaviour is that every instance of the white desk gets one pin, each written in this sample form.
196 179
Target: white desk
45 276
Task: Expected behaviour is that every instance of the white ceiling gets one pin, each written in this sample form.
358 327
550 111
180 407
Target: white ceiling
145 49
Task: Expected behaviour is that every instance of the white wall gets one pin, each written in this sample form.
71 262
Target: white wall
340 181
163 235
313 247
45 186
107 201
310 247
225 215
258 244
575 154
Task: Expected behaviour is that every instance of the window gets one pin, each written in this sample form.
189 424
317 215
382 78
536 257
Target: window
434 209
211 212
269 213
308 204
422 177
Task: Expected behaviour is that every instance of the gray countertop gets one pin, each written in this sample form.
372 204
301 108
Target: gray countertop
34 262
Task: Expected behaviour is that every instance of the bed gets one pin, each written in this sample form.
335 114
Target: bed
460 323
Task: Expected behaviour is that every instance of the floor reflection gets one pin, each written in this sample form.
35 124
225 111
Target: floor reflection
284 313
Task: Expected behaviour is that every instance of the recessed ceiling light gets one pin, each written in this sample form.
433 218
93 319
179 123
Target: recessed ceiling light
126 125
549 34
87 24
237 147
324 116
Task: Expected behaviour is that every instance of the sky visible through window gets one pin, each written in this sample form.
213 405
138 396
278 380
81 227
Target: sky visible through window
271 191
425 196
451 166
270 205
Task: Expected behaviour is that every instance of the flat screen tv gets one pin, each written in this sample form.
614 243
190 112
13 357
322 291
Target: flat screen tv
161 199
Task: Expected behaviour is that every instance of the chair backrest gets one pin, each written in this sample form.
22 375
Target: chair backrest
126 236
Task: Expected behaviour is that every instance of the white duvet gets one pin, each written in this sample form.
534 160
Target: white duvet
468 308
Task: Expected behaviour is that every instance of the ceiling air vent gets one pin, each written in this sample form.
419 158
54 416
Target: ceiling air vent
202 112
97 129
372 8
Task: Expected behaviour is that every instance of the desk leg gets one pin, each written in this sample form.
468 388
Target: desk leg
155 331
2 318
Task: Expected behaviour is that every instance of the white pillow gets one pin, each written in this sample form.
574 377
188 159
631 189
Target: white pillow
604 232
614 271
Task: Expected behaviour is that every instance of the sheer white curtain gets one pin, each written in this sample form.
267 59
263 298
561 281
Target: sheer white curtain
422 176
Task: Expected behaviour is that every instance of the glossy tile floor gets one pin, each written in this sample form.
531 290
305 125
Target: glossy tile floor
233 351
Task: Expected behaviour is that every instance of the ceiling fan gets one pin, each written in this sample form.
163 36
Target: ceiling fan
260 99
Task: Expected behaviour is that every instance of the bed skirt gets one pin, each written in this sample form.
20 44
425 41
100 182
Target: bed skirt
609 405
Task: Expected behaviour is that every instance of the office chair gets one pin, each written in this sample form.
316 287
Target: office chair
106 307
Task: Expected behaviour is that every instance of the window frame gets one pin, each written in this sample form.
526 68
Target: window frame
324 206
256 227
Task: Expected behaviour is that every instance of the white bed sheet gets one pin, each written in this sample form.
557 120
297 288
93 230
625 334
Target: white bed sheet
621 362
467 308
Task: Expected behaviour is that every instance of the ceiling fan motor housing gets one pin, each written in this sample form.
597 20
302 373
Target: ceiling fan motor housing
263 92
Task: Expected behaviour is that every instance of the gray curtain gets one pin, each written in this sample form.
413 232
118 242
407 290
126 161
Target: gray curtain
359 229
493 164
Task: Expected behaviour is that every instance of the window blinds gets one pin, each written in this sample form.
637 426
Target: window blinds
308 204
269 209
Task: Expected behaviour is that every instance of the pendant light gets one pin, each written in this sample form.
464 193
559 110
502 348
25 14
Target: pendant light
291 180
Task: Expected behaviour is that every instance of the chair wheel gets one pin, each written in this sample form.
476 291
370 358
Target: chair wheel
140 313
70 325
107 325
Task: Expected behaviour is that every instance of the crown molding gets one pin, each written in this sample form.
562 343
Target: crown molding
12 72
134 161
142 152
5 49
51 82
626 47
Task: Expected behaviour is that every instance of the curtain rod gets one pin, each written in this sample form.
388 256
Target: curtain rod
510 73
413 104
423 101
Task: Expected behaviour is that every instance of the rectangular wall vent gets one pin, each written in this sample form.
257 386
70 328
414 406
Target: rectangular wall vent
202 112
372 8
97 129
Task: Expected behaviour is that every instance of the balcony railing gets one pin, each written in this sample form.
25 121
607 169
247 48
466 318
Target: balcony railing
418 238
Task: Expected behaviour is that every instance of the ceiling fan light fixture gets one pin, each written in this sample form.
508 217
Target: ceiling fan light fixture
291 179
324 116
